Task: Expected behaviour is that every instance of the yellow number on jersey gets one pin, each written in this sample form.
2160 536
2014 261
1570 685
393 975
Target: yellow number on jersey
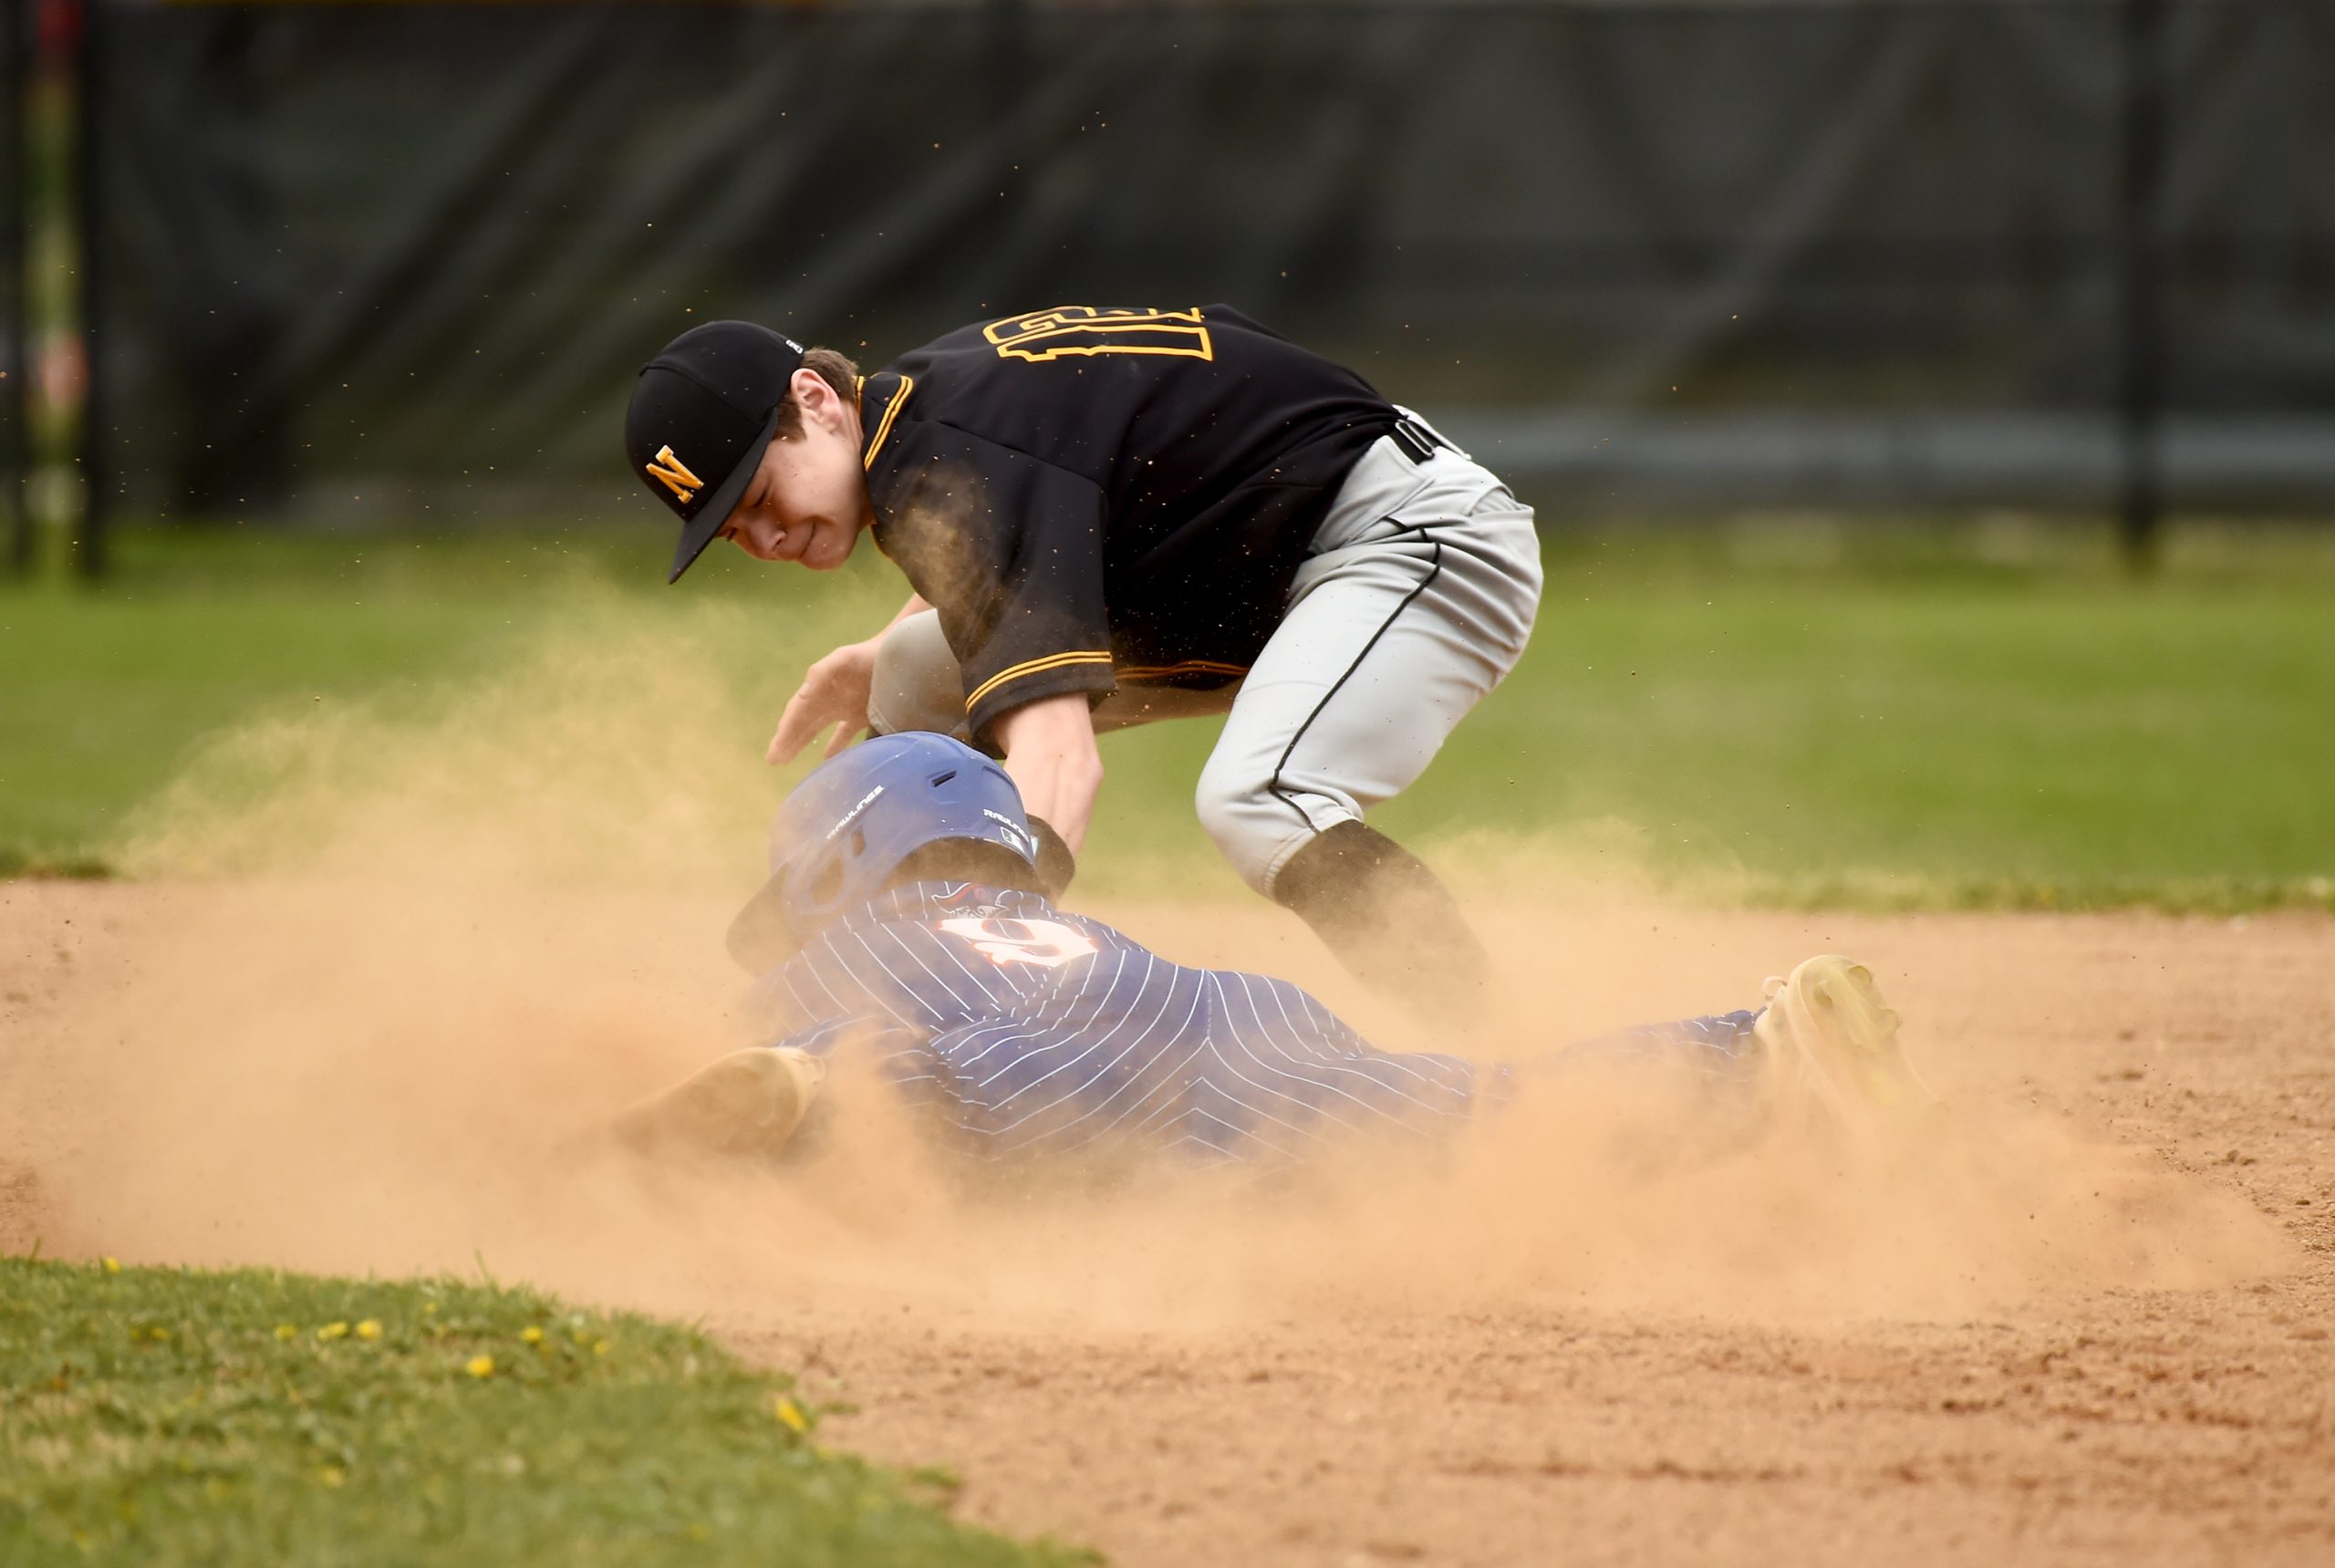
1084 329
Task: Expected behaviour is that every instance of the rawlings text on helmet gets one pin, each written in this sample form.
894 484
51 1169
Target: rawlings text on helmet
853 815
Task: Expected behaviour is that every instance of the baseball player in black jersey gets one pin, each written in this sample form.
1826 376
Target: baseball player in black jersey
1111 516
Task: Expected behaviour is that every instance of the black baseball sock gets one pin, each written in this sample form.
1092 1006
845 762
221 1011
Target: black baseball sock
1389 918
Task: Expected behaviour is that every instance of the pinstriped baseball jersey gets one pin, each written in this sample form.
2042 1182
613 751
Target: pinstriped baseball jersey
1029 1032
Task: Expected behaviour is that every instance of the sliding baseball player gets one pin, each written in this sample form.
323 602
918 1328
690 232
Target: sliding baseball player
903 920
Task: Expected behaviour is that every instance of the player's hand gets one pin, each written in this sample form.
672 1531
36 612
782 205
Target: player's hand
834 692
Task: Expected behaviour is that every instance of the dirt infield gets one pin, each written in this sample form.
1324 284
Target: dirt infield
2094 1324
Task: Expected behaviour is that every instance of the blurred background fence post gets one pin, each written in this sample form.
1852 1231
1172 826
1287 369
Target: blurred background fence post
16 361
98 435
2139 253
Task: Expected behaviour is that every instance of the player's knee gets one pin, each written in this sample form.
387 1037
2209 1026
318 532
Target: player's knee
1255 826
1236 812
1216 801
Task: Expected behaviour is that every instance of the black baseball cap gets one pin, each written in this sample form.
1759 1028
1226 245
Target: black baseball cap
702 414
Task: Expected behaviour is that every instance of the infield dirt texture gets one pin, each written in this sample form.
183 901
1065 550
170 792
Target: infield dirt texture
2092 1325
376 958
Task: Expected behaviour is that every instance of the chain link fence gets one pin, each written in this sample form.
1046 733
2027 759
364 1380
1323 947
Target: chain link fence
400 262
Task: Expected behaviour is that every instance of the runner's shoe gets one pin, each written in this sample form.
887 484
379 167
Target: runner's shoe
1831 1043
748 1103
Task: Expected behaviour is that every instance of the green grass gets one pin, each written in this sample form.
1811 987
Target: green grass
1981 716
162 1416
1939 739
109 691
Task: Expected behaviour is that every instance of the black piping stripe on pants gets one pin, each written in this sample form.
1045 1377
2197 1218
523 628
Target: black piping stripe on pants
1278 790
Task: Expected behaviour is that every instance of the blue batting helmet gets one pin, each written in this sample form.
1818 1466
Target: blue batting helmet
843 831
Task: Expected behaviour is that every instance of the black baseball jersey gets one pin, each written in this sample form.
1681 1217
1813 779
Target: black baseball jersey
1091 495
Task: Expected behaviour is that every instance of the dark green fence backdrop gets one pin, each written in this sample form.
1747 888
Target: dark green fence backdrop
402 261
16 44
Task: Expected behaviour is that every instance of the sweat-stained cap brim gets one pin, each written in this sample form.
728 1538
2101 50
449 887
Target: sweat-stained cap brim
706 526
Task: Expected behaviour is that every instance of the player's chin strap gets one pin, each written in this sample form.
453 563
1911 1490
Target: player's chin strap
1389 918
1057 865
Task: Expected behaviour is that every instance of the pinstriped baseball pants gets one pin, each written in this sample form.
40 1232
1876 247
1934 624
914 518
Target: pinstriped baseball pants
1415 601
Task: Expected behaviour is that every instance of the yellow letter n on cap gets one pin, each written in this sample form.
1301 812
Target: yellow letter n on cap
675 475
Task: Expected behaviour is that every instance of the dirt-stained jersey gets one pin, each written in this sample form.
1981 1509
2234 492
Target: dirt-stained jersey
1092 495
1028 1032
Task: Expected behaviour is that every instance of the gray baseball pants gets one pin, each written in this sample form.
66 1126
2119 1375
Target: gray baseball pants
1415 601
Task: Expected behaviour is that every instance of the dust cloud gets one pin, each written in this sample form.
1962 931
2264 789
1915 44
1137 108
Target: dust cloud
385 964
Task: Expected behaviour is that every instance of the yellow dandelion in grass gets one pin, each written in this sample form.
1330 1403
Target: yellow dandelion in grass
331 1475
369 1329
113 1265
600 1347
430 1309
790 1415
287 1331
532 1335
480 1367
333 1331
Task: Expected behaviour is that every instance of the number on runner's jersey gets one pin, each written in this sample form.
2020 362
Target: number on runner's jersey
1002 942
1047 335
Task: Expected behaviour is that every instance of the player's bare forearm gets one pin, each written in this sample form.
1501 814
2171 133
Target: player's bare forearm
1051 756
834 692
